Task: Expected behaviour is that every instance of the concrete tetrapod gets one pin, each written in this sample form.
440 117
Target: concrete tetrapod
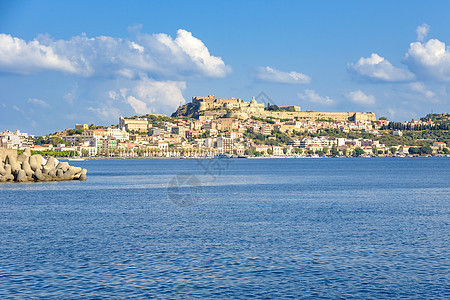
26 167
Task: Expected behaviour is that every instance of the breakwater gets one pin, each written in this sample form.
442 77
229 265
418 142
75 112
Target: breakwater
25 167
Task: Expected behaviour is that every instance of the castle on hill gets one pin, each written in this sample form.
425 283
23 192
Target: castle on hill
210 107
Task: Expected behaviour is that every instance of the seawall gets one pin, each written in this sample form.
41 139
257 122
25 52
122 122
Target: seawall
25 167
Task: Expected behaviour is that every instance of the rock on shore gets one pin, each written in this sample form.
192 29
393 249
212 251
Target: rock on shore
26 167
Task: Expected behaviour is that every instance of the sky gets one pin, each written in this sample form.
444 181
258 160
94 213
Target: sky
68 62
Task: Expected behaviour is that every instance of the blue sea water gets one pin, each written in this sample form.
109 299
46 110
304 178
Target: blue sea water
365 228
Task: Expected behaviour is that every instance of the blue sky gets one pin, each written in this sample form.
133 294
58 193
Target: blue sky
65 62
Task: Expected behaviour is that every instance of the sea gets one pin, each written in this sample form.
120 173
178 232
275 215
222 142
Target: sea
325 228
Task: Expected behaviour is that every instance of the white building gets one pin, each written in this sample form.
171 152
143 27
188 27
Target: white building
119 134
16 140
139 124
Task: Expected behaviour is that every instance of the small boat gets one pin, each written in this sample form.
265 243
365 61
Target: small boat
76 158
223 155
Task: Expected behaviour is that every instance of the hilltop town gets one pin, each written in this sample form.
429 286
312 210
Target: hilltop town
208 126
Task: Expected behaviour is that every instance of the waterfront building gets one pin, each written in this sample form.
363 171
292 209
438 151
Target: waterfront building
138 124
277 150
225 145
440 145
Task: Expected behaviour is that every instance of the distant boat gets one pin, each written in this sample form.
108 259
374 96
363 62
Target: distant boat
223 155
76 158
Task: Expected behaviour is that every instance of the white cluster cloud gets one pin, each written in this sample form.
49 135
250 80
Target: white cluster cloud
158 55
359 97
312 96
377 68
422 31
430 60
21 57
427 61
150 96
273 75
139 106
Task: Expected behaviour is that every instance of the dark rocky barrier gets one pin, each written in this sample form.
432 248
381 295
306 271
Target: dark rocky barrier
26 167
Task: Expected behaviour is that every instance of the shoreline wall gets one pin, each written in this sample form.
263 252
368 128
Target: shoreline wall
26 167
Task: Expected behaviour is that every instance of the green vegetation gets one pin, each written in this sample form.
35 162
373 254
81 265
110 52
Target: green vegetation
74 131
270 121
93 127
413 138
273 107
54 140
277 138
52 153
334 151
424 150
408 126
358 152
152 118
443 118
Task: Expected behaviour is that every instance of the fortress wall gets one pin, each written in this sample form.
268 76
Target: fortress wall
240 108
312 116
209 102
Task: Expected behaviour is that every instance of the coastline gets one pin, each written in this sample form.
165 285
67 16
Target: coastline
258 157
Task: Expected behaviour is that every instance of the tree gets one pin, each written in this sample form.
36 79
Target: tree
413 150
344 152
334 151
426 150
272 107
393 150
358 152
382 118
270 151
445 150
